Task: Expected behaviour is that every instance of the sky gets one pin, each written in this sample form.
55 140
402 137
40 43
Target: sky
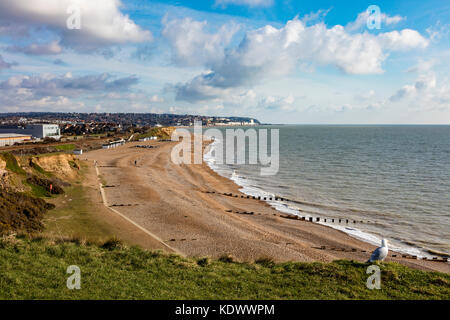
279 61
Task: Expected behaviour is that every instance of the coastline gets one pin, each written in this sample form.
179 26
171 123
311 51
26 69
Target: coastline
296 208
176 203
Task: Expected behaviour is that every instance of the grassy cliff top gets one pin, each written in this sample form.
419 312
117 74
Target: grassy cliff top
36 269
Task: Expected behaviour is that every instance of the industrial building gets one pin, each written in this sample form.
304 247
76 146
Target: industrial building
9 139
37 131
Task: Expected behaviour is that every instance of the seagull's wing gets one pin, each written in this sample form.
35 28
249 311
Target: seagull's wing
375 255
380 254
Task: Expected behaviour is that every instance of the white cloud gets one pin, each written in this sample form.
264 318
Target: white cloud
424 84
315 16
10 28
67 92
59 90
50 48
406 39
156 98
26 102
192 45
102 23
198 89
4 64
426 93
423 66
278 103
270 52
249 3
405 91
366 96
211 110
438 31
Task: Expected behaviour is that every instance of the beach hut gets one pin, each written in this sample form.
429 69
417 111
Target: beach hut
114 144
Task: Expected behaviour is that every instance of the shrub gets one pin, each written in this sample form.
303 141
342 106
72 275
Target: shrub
45 184
228 258
203 261
266 262
112 244
21 212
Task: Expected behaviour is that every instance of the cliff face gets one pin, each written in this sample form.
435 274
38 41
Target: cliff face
25 181
34 174
64 166
167 131
3 174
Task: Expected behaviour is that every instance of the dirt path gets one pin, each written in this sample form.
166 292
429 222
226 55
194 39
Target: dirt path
110 222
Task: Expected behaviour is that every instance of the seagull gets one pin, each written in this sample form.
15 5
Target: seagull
380 253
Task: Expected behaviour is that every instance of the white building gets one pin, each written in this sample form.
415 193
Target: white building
37 131
8 139
148 138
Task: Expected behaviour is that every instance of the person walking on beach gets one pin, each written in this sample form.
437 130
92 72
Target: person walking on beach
135 162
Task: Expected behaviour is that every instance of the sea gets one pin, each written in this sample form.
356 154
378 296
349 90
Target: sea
394 178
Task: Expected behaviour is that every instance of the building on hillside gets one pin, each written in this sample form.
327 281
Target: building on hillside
9 139
41 131
37 131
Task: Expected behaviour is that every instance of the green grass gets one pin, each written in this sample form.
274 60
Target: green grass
12 164
73 217
39 169
36 269
74 214
66 147
48 154
153 132
37 191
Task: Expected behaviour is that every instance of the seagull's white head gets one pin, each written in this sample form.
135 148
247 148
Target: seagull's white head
384 243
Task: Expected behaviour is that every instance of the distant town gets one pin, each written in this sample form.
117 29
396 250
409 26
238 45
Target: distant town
38 126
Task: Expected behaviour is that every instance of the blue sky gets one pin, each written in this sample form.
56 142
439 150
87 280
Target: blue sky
280 61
